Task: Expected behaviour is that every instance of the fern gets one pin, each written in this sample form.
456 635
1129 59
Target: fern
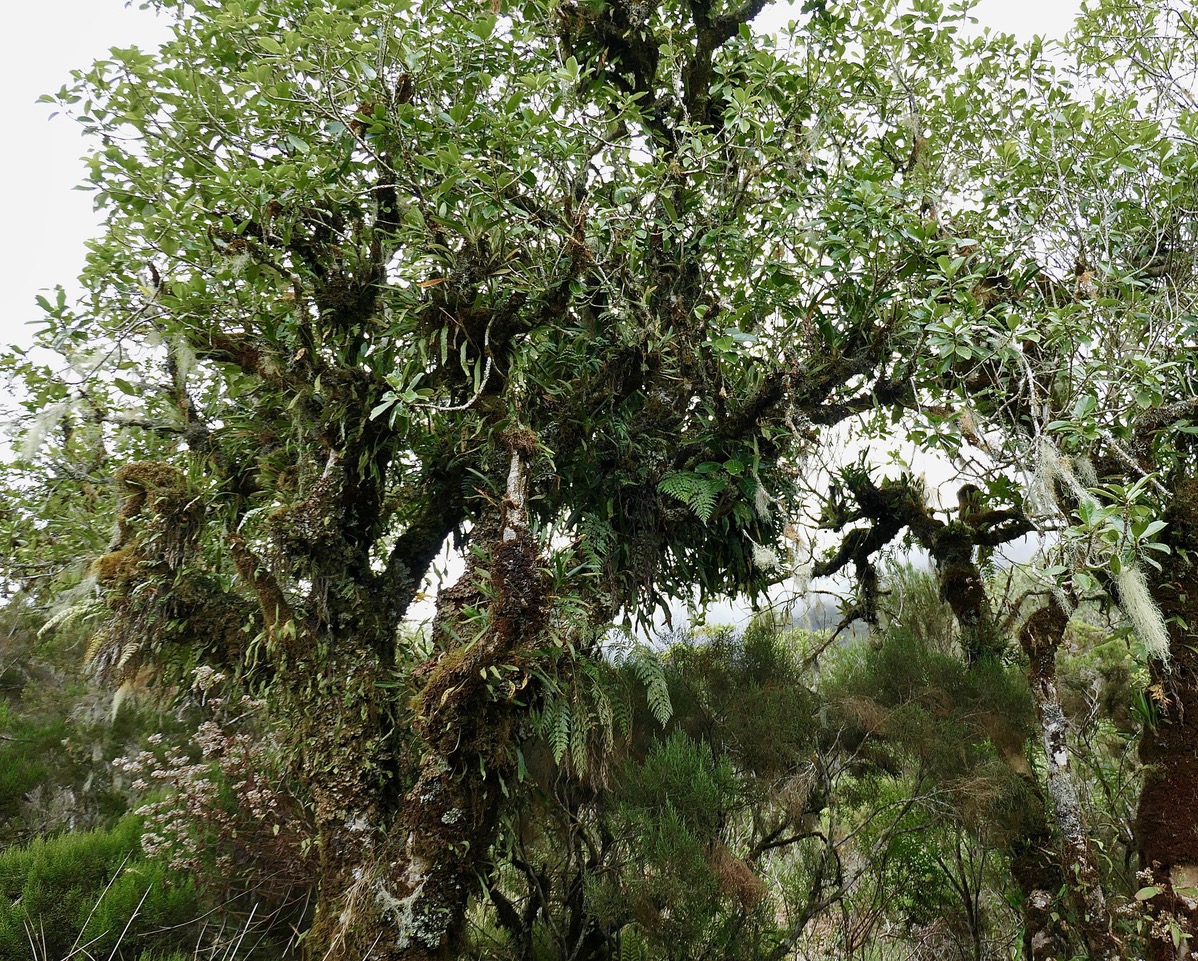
559 731
649 670
597 540
632 944
588 705
70 615
699 492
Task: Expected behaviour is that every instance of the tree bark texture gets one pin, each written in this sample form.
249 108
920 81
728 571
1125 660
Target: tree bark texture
1041 638
396 879
1166 824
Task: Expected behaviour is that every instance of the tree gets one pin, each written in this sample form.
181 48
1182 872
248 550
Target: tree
379 275
576 286
1048 300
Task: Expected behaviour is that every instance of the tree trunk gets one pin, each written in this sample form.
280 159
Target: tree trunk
395 885
1041 637
1038 873
1167 823
1035 869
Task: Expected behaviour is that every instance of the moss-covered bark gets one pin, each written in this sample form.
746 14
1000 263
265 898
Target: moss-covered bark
397 878
1166 823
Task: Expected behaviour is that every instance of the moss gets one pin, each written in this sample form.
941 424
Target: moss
520 440
447 672
158 513
116 567
148 476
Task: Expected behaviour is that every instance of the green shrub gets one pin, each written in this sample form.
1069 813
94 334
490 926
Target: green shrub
26 759
91 890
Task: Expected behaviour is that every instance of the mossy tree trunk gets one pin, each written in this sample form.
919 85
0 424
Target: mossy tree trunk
1166 825
397 873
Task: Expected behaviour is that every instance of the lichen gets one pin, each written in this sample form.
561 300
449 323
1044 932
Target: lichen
1141 610
417 921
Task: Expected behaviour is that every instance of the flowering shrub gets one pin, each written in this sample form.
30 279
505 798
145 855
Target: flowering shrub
221 809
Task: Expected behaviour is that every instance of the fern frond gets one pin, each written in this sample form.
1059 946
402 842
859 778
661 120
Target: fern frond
603 709
699 492
632 944
559 732
596 538
129 651
95 646
650 672
69 615
677 484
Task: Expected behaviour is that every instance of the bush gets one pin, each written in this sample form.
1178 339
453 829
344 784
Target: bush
25 761
91 891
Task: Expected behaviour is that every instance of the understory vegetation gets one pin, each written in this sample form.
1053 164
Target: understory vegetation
805 797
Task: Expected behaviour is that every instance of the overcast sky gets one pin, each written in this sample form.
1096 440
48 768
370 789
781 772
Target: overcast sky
47 222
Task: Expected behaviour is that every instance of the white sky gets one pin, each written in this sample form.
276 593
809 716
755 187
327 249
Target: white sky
47 221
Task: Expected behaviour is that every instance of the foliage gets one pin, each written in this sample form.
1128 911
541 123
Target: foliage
62 734
672 809
92 893
416 268
226 817
578 289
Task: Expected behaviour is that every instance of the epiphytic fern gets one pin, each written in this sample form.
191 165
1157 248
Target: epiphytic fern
558 729
699 492
650 672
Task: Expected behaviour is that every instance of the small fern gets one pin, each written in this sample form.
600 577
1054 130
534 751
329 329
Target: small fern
559 731
632 946
649 670
699 492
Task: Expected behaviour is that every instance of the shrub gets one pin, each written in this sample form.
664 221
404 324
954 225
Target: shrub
228 817
91 891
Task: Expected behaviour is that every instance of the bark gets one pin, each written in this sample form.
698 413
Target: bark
1041 637
1166 826
395 883
1037 873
